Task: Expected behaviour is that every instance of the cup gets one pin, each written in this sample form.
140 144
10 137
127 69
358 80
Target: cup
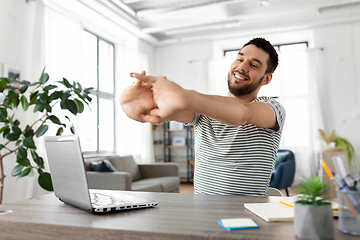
349 206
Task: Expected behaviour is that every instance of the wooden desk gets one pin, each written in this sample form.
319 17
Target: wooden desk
178 216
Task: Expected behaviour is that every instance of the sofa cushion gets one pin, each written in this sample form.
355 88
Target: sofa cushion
159 184
102 166
126 164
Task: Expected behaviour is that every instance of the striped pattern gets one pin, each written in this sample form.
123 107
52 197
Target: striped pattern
233 160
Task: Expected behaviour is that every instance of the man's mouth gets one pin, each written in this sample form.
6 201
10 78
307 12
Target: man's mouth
240 77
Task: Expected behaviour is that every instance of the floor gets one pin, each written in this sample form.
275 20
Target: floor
189 188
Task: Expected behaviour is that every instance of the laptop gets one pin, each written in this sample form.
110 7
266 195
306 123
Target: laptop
70 183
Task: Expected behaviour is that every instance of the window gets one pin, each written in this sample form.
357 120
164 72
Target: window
97 126
291 88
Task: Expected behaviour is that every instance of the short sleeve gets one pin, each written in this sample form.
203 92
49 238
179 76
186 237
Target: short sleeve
279 110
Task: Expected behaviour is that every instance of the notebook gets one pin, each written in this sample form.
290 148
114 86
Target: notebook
271 211
70 183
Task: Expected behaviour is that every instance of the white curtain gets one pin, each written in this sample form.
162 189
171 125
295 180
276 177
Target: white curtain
298 82
133 138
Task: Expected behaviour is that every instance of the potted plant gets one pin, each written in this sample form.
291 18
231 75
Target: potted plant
313 215
337 143
18 134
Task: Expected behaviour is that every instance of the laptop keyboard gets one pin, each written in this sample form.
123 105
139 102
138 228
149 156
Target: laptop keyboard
105 200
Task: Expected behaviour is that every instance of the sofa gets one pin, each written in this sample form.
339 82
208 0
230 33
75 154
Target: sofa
122 173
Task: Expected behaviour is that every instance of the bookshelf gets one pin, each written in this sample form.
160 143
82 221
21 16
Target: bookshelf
175 143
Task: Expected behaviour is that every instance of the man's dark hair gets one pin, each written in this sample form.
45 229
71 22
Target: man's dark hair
265 45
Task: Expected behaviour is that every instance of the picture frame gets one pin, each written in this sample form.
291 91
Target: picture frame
10 71
178 141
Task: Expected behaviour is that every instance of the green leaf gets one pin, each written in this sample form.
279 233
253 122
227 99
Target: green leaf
39 107
71 106
50 87
39 161
33 96
72 129
24 103
66 83
55 119
31 173
12 136
4 128
45 182
44 78
43 97
22 153
23 88
28 132
54 95
3 114
23 161
16 123
80 105
42 130
48 108
29 143
33 153
18 142
59 131
16 130
25 172
17 170
2 146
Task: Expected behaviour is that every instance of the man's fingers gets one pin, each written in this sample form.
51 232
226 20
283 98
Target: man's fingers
155 112
143 73
147 79
151 119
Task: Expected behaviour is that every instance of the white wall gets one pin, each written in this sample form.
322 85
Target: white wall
16 26
339 70
340 76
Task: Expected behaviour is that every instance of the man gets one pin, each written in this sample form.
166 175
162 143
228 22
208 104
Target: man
236 136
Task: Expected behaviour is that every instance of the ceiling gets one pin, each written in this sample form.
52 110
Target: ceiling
173 20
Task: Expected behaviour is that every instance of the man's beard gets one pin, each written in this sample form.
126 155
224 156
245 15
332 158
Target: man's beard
244 90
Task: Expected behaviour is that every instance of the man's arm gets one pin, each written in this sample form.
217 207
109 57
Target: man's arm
178 104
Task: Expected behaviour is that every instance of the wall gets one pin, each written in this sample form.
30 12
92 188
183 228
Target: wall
340 76
16 26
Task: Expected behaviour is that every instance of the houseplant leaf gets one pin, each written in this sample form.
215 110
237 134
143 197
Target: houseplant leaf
17 170
42 130
44 181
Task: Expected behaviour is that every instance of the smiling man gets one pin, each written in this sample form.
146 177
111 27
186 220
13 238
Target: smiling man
236 136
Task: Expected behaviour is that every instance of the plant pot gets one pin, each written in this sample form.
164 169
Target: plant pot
313 222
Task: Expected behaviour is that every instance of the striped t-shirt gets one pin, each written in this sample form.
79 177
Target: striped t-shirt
235 160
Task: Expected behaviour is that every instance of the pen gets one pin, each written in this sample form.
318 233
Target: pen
353 204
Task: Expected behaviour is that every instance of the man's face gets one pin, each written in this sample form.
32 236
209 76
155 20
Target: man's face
247 72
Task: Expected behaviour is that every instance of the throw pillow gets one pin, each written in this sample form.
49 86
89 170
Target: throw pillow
102 166
281 156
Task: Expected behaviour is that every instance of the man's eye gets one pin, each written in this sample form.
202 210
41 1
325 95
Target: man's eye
254 66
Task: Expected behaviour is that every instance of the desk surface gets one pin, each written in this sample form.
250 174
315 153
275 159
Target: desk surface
178 216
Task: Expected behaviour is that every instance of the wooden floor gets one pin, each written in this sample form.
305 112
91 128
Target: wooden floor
189 188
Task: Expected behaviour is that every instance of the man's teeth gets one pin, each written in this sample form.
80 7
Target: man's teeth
239 77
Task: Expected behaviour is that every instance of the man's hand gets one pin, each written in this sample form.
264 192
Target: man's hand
169 97
137 102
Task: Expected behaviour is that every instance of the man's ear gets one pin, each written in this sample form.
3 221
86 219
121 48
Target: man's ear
267 79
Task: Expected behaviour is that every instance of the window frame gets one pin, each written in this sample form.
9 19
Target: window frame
103 95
